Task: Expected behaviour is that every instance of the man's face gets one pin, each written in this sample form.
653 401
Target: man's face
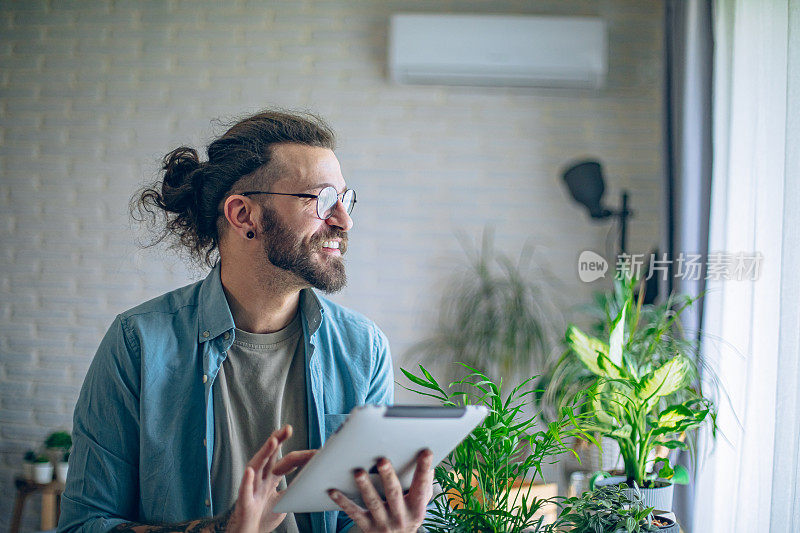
294 237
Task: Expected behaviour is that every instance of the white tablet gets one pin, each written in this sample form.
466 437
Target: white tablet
370 432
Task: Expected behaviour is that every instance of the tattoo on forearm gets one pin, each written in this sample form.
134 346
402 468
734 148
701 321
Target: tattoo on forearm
215 524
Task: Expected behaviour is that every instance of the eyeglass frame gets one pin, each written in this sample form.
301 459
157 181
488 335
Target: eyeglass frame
315 196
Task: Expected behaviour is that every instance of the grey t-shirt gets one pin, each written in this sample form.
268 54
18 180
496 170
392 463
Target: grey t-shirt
260 387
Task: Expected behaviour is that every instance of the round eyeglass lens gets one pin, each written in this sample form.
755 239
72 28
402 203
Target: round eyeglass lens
349 200
326 201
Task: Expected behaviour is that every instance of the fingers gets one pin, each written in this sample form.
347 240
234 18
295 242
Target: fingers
355 512
264 459
246 487
408 511
422 483
293 461
269 447
370 496
391 488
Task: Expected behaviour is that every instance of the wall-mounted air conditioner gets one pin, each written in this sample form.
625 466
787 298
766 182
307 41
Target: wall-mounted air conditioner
536 51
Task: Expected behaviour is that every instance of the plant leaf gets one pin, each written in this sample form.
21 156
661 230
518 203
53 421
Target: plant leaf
666 471
681 475
418 380
588 349
623 433
617 338
673 444
674 415
664 380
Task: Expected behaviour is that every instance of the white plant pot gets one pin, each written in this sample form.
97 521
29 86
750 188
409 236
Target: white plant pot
660 498
610 459
43 473
61 472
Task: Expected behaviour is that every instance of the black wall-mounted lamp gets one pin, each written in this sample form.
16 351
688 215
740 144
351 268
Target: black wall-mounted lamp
585 182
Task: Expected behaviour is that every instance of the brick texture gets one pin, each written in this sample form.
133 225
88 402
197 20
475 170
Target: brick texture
93 93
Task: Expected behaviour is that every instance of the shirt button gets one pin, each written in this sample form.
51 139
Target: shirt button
205 378
226 336
206 333
208 502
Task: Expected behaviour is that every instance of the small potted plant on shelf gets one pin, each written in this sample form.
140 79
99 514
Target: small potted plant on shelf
42 470
28 460
487 482
641 394
57 444
610 509
62 468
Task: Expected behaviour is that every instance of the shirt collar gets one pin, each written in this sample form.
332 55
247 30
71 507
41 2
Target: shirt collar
215 314
312 309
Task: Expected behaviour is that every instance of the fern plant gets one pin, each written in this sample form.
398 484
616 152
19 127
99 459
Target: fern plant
483 481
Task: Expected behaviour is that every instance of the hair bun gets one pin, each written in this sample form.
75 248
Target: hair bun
180 188
179 165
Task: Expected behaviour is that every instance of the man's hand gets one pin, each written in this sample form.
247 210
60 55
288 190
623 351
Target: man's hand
258 492
399 513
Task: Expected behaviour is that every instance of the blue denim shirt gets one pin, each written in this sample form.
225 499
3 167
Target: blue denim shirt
143 428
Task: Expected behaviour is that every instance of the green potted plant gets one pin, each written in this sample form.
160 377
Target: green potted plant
28 460
42 470
487 481
655 333
57 444
495 315
610 509
641 395
59 440
62 467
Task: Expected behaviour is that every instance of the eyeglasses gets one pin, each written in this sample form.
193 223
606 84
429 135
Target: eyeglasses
326 199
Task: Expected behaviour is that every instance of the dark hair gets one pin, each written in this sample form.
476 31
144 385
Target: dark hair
189 194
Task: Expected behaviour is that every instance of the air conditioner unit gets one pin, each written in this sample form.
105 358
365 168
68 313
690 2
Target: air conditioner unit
501 50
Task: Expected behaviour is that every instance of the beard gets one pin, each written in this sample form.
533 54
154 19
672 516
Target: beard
297 256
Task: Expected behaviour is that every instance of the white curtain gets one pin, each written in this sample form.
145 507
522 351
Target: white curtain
750 481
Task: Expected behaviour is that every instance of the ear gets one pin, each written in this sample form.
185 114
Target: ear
240 213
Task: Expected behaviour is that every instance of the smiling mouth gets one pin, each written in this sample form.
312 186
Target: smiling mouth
333 245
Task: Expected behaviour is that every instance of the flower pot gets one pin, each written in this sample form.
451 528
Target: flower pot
671 527
592 459
61 471
659 497
43 473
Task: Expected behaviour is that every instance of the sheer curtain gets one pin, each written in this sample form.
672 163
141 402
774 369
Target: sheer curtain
750 482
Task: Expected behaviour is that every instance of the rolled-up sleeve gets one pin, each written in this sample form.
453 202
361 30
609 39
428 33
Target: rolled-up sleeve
102 489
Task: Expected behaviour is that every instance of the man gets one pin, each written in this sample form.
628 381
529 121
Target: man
186 418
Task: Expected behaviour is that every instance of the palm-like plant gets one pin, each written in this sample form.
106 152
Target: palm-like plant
494 316
482 480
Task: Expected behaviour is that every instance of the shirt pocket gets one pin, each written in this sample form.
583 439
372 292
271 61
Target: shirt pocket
332 423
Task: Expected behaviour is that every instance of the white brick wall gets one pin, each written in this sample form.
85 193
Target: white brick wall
93 93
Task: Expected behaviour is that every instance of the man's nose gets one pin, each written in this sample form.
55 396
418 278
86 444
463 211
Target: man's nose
340 218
